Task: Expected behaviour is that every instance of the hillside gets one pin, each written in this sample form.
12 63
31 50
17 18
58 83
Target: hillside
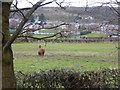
99 13
71 13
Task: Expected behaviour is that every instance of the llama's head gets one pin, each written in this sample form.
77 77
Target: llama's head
39 46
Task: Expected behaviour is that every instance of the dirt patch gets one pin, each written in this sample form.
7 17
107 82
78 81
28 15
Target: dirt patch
20 54
69 53
62 55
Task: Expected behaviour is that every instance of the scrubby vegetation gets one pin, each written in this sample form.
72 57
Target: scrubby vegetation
68 79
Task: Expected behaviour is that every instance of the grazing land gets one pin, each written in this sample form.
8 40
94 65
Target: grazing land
83 56
97 35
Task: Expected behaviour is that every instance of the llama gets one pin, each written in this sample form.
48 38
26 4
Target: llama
41 51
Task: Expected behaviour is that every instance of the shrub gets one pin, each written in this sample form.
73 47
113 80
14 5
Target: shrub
85 32
68 79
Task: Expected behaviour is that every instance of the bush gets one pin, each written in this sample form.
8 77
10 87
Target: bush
68 79
85 32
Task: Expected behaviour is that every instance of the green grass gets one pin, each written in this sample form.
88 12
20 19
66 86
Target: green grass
92 56
97 35
84 47
41 36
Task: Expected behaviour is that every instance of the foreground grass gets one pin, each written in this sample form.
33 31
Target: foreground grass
93 56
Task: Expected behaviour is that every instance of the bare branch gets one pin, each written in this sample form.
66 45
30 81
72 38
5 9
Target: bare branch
111 3
30 7
19 10
60 5
62 1
47 28
115 10
30 2
56 26
27 16
43 37
86 8
16 2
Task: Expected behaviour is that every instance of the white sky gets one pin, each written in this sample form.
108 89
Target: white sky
76 3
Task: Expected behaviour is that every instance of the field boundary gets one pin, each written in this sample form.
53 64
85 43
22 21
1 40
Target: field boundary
81 40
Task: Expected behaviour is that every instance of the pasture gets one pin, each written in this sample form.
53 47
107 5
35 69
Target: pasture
83 56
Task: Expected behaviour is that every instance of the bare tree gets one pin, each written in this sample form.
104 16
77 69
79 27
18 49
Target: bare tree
8 76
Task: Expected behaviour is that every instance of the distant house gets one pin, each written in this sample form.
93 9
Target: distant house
33 27
109 27
14 23
89 17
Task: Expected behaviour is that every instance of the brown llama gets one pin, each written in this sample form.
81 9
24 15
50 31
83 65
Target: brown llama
41 51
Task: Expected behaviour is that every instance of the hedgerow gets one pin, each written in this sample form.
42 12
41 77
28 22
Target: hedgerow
68 79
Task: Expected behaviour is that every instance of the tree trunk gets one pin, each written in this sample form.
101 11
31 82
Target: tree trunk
8 76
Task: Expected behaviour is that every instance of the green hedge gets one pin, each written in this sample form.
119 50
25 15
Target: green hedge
69 79
85 32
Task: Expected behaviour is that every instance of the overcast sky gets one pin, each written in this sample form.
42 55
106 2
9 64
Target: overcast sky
76 3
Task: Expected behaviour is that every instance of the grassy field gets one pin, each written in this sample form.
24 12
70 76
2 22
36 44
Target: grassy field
92 56
88 35
41 36
97 35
